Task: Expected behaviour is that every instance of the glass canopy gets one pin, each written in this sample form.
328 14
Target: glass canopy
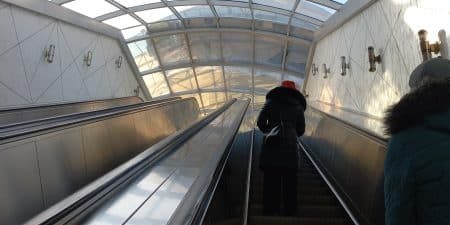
201 48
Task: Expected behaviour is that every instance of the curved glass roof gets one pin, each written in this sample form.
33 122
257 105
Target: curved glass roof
191 47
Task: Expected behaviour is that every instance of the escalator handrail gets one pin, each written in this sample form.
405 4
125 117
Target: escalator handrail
329 184
111 182
248 181
12 109
202 206
53 118
67 120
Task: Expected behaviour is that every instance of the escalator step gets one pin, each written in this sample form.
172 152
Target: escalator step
265 220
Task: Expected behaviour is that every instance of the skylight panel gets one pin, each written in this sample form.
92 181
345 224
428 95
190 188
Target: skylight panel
134 32
233 12
91 8
270 16
155 15
303 24
341 1
156 84
314 10
132 3
122 22
194 11
283 4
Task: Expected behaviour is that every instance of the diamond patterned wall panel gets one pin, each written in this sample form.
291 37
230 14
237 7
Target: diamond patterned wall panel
393 35
27 78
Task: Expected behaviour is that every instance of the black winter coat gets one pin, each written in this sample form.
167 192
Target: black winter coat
287 105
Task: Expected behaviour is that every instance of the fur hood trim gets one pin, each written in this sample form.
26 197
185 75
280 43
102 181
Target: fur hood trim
414 108
287 95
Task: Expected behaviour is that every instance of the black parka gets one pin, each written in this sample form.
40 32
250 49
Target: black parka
287 105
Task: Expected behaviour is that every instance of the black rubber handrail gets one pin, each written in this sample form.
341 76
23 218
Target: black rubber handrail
201 210
39 126
115 180
53 118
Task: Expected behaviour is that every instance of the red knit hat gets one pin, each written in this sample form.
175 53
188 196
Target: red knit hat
288 84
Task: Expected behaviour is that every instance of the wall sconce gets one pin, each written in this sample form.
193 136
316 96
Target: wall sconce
315 69
344 66
426 48
88 58
136 91
326 71
119 62
49 53
373 59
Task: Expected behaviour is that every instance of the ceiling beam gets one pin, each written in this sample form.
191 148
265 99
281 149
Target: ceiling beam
238 30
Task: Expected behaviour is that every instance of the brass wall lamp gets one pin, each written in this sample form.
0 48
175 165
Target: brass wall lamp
440 47
373 59
119 62
49 53
344 66
314 69
326 70
88 59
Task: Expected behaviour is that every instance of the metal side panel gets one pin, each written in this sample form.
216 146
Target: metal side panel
62 164
16 163
174 185
97 150
122 139
353 159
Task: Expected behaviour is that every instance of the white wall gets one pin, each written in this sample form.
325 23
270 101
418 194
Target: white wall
27 79
390 26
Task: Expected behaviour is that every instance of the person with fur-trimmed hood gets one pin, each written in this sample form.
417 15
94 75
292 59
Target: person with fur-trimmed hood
283 117
417 165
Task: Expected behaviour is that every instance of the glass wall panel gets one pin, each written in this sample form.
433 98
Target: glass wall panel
269 50
237 46
266 80
303 24
122 22
205 46
132 3
144 55
283 4
181 79
155 15
234 12
210 77
298 54
213 100
134 32
156 84
271 27
314 10
172 49
165 25
201 22
235 23
91 8
238 79
194 11
270 16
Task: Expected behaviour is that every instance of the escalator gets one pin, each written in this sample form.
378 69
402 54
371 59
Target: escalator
169 183
316 203
47 159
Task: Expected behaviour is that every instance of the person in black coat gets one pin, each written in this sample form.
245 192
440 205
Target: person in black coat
283 117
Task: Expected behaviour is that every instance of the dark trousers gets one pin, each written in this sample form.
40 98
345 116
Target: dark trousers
277 183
